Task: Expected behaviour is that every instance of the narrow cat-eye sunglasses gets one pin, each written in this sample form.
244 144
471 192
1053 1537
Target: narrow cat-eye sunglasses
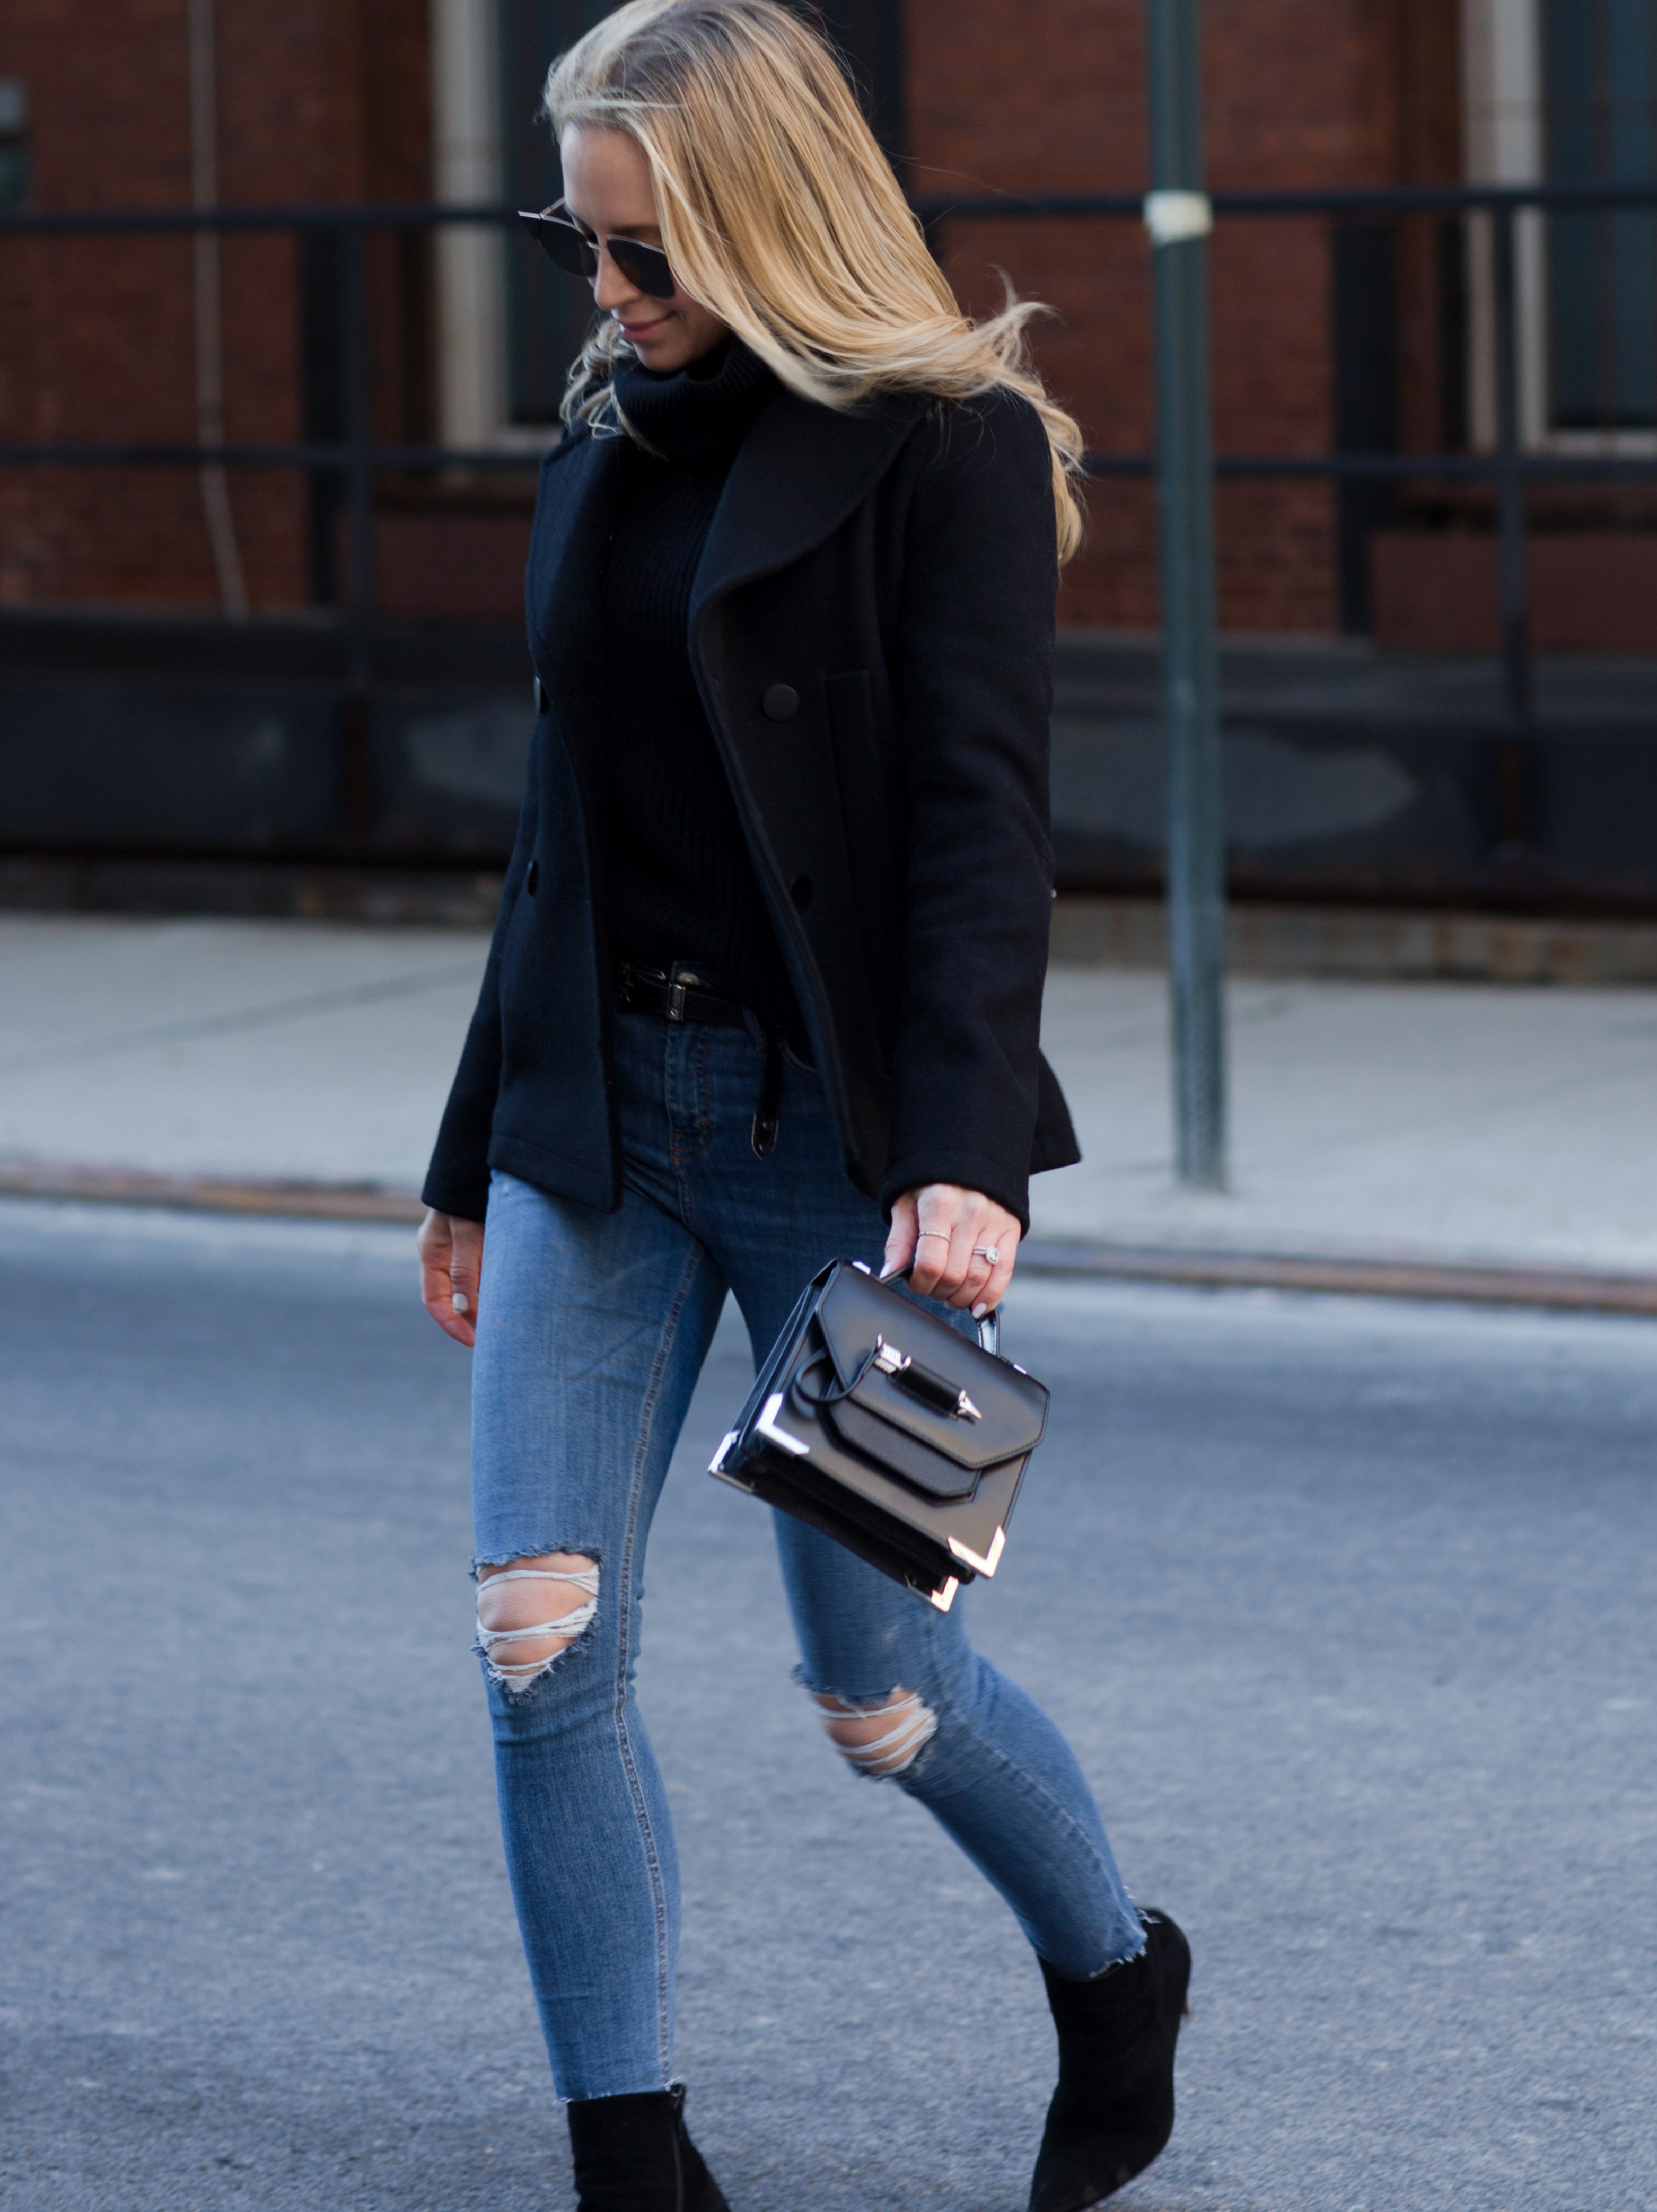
568 245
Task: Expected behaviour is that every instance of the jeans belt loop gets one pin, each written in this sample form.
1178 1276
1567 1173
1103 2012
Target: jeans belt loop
676 991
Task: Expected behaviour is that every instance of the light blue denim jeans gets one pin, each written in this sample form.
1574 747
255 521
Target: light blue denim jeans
592 1330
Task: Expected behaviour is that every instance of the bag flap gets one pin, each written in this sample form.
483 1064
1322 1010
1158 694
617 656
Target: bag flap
1005 1411
897 1453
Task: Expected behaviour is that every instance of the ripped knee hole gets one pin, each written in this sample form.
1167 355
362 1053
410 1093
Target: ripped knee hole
531 1610
882 1737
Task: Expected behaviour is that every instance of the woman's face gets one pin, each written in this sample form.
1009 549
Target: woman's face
607 189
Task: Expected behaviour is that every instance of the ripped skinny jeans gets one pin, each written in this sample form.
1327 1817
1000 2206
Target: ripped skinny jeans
593 1328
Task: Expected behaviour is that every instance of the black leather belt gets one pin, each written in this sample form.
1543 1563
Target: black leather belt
684 993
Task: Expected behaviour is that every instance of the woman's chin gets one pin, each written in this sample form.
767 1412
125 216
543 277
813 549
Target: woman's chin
667 348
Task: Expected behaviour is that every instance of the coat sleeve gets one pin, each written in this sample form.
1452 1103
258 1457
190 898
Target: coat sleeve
458 1180
974 667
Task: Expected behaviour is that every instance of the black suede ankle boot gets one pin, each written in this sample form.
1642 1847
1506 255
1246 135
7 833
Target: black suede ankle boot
1113 2111
633 2154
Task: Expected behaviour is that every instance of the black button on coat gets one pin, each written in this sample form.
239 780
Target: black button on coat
872 630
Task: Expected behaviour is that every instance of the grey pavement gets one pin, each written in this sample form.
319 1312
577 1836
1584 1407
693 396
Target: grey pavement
1439 1120
296 1049
1432 1119
1347 1607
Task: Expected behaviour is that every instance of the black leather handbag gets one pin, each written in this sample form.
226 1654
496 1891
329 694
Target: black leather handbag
889 1430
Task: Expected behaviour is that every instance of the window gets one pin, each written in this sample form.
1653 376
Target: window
1600 87
546 312
1566 90
14 142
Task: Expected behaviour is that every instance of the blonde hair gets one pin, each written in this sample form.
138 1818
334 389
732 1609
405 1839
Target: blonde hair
780 214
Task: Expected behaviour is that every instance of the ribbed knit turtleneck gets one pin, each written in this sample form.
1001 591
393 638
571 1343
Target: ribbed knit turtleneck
682 884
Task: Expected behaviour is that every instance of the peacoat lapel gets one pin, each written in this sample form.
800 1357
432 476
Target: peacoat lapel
580 487
801 471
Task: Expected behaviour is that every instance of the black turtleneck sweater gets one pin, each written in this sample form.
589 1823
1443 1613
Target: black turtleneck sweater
682 884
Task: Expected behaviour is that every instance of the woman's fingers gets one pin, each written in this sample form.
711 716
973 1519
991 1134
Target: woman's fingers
900 1237
994 1288
937 1261
450 1263
955 1231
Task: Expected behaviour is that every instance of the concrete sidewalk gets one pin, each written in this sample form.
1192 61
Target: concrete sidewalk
1440 1124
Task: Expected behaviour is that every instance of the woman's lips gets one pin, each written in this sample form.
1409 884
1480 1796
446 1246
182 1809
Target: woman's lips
634 331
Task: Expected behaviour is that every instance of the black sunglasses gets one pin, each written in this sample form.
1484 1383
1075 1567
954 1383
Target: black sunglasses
568 245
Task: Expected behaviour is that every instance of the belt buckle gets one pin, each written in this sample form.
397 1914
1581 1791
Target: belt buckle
681 980
634 980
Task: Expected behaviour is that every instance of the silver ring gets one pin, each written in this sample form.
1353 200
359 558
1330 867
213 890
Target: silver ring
944 1233
990 1252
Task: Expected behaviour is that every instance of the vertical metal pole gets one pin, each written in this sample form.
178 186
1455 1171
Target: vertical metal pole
355 739
1177 216
1519 684
359 502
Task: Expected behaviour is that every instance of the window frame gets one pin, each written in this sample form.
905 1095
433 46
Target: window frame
1505 123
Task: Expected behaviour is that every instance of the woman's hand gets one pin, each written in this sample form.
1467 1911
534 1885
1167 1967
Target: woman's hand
451 1260
938 1228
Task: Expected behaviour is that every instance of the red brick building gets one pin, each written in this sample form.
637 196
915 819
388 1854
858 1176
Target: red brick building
144 103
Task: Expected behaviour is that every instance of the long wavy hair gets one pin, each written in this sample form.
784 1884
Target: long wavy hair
780 214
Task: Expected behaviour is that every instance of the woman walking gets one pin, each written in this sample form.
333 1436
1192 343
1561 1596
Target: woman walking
765 989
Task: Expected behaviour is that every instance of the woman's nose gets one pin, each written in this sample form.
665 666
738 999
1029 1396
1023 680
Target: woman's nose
610 289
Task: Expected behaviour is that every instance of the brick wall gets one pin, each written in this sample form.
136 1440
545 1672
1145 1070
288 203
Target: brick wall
319 100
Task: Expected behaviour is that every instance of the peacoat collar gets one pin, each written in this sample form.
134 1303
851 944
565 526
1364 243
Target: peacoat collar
800 471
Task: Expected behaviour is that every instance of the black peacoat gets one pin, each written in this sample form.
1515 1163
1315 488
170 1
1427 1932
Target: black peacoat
872 632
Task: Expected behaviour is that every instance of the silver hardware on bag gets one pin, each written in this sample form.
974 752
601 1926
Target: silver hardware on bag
898 1365
981 1562
766 1426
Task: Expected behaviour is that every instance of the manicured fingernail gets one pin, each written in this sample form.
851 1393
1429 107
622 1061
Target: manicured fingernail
978 1312
459 1301
887 1272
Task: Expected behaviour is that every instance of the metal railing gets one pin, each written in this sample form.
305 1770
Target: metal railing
1509 467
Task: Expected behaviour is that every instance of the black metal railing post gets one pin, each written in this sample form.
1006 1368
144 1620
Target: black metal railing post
1513 763
1518 674
355 718
359 486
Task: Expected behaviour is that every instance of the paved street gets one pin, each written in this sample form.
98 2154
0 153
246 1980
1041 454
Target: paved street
1347 1607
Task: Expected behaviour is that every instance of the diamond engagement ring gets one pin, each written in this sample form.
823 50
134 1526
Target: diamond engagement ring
990 1252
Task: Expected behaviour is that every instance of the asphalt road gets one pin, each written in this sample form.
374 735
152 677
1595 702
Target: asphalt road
1347 1608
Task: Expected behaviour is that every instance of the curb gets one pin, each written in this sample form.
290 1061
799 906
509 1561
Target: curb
1569 1290
273 1195
1373 944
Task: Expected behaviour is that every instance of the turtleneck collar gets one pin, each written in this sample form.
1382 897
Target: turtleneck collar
700 413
